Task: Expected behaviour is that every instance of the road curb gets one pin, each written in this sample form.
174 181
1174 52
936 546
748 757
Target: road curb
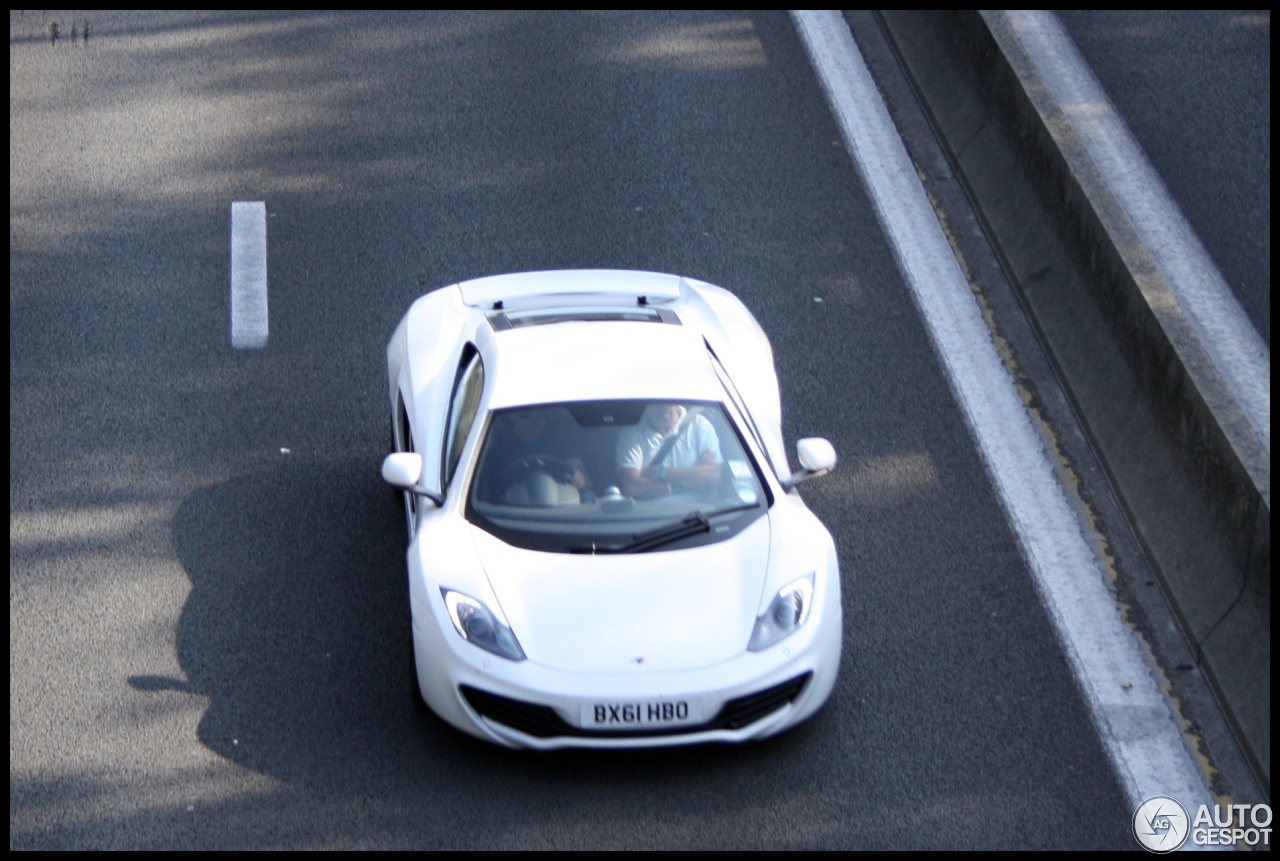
985 94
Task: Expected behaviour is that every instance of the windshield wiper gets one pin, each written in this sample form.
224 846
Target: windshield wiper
654 538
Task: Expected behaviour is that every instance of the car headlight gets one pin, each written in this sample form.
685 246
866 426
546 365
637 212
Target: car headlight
477 624
788 612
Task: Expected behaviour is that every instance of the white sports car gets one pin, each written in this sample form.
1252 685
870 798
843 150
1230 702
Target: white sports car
605 544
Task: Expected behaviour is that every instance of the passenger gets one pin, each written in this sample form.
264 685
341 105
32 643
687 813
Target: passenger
535 464
668 452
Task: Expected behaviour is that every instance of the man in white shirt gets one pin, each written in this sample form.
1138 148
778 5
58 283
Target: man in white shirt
668 452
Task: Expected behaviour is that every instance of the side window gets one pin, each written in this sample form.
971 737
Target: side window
405 444
736 398
462 412
406 433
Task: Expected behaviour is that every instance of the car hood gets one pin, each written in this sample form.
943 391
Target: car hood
630 612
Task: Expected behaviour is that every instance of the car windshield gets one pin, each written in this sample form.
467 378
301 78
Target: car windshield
614 477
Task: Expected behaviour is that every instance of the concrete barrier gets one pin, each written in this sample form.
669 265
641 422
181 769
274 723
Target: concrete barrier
1192 474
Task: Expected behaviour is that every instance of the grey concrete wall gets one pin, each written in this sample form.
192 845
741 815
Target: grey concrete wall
1192 476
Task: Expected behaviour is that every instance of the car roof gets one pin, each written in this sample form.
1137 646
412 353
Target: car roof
600 360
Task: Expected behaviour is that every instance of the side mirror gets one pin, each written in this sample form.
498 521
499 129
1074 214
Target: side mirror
403 469
817 456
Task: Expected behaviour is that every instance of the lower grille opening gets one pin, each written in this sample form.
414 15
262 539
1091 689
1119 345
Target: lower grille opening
745 711
535 720
542 721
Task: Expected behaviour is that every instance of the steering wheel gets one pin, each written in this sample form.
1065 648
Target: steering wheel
556 467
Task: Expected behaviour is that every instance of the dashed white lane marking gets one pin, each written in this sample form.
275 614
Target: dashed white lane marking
248 274
1132 716
1238 351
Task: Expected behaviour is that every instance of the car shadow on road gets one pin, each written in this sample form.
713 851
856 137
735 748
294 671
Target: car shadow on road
296 627
296 630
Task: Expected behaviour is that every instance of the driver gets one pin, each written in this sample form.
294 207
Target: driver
536 464
669 451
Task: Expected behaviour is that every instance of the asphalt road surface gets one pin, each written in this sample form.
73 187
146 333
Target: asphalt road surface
209 641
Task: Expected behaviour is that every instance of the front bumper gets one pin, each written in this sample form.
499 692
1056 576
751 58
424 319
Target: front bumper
542 722
525 705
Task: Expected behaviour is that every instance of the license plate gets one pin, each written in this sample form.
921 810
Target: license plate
642 714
